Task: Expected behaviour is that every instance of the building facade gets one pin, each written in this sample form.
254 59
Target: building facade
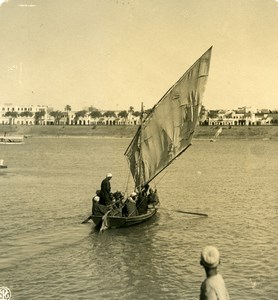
43 115
28 115
20 114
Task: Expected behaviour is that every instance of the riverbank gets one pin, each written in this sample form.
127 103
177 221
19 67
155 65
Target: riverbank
202 132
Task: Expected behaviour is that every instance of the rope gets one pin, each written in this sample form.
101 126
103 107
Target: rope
127 182
156 184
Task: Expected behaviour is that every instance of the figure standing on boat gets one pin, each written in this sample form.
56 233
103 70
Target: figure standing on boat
105 192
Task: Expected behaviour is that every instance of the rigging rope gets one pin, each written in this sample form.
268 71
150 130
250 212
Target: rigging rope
155 185
126 184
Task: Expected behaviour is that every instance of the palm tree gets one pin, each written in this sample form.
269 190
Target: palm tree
26 114
57 116
131 109
123 114
38 116
13 115
136 113
67 109
92 108
80 114
109 114
95 114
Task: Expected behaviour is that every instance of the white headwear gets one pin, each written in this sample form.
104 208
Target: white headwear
210 257
108 175
96 198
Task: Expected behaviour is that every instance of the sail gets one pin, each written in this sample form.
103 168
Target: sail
168 129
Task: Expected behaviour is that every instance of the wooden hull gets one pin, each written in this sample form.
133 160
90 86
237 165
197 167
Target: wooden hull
11 143
11 140
117 222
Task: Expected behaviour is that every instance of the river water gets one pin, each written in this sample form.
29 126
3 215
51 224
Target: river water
46 191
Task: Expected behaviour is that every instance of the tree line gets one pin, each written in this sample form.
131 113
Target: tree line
58 115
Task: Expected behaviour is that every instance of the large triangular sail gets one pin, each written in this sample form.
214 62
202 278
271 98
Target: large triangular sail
168 129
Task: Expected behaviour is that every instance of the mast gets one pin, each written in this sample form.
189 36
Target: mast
140 145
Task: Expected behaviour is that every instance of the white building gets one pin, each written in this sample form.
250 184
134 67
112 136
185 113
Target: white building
234 118
19 118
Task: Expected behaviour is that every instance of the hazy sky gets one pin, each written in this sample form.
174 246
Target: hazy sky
114 54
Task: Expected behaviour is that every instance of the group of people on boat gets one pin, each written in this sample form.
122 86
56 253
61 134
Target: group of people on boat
117 204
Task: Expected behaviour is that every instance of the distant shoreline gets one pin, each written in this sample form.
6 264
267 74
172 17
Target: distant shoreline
124 131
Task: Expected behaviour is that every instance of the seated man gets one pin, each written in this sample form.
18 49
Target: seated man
130 205
115 207
118 197
99 209
142 203
116 204
95 200
153 197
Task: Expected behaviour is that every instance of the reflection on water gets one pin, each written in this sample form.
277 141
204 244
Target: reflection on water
46 253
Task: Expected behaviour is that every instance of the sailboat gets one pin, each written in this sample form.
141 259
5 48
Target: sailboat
164 134
11 140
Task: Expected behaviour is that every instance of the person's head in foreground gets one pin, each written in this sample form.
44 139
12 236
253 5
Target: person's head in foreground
210 257
213 287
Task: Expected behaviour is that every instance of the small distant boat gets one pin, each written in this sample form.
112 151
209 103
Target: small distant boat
2 166
216 135
11 140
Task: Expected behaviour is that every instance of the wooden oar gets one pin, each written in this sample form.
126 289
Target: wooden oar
104 224
87 220
191 213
